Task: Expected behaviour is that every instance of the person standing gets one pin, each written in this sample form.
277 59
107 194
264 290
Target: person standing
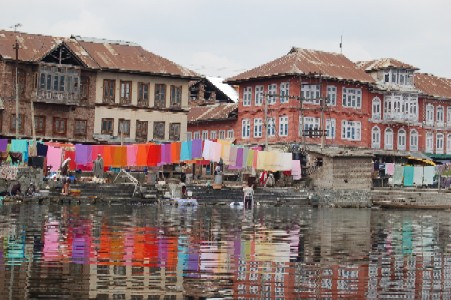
65 176
98 166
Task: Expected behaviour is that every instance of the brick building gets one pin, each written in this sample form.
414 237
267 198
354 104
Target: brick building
88 90
329 84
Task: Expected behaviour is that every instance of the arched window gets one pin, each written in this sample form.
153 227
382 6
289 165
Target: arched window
439 143
375 137
429 114
413 140
401 139
388 139
376 108
429 142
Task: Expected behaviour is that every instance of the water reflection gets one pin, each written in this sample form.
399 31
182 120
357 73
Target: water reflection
151 252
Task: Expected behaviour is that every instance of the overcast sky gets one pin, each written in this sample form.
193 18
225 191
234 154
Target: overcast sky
226 37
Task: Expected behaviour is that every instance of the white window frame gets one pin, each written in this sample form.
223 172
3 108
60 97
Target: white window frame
376 109
376 137
351 130
247 96
230 134
440 116
284 92
258 128
259 95
310 93
222 134
213 134
271 126
204 135
402 139
388 139
429 142
331 95
311 123
439 143
196 135
413 146
352 97
448 116
246 128
448 143
272 89
429 114
331 129
189 136
283 126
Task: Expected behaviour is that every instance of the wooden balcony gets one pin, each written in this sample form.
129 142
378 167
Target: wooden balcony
53 97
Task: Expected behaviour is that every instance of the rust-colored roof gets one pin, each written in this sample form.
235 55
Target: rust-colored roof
433 86
127 57
211 112
384 63
303 62
32 46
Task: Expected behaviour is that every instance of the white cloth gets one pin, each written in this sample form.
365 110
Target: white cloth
418 175
428 176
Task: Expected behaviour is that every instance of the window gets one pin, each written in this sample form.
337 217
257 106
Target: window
174 131
107 126
330 128
448 116
13 123
230 134
124 127
259 95
126 91
141 130
160 96
388 139
247 96
284 92
245 128
258 124
271 127
39 124
222 134
439 143
440 116
176 96
429 114
310 93
84 88
213 135
80 127
376 112
204 135
272 90
375 138
401 139
352 97
59 126
429 142
189 136
331 95
196 135
311 126
109 87
351 130
143 94
283 126
413 140
448 143
158 130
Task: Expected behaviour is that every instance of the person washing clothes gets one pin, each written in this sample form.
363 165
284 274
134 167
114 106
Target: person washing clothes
65 176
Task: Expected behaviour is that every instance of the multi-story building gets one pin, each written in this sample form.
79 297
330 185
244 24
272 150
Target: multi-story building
333 91
88 90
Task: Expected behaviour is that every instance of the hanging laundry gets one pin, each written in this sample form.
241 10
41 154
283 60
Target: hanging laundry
225 153
119 156
197 149
206 150
185 153
54 158
107 156
250 158
408 175
233 154
71 155
389 169
398 175
83 154
142 156
286 162
154 155
245 155
215 152
428 176
418 175
41 149
20 146
296 171
254 162
3 145
132 151
175 152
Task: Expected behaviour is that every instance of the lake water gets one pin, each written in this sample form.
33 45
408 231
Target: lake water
164 252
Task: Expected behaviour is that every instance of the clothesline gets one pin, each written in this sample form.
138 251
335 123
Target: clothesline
152 154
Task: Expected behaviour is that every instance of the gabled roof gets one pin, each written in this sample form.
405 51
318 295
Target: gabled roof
384 63
304 62
214 112
227 89
433 86
32 46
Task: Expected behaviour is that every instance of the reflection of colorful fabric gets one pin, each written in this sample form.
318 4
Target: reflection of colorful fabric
51 244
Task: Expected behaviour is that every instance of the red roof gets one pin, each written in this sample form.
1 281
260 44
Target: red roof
384 63
304 62
433 86
211 112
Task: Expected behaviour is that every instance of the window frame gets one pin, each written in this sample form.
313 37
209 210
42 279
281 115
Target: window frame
109 91
12 124
79 133
142 131
159 133
175 129
259 90
283 126
57 121
120 123
402 139
258 128
175 96
272 89
104 121
125 96
375 132
311 93
143 95
245 128
247 96
160 95
284 92
40 129
352 98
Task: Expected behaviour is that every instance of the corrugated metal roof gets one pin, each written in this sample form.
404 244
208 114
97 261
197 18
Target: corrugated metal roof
211 112
433 86
302 61
32 46
384 63
227 89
